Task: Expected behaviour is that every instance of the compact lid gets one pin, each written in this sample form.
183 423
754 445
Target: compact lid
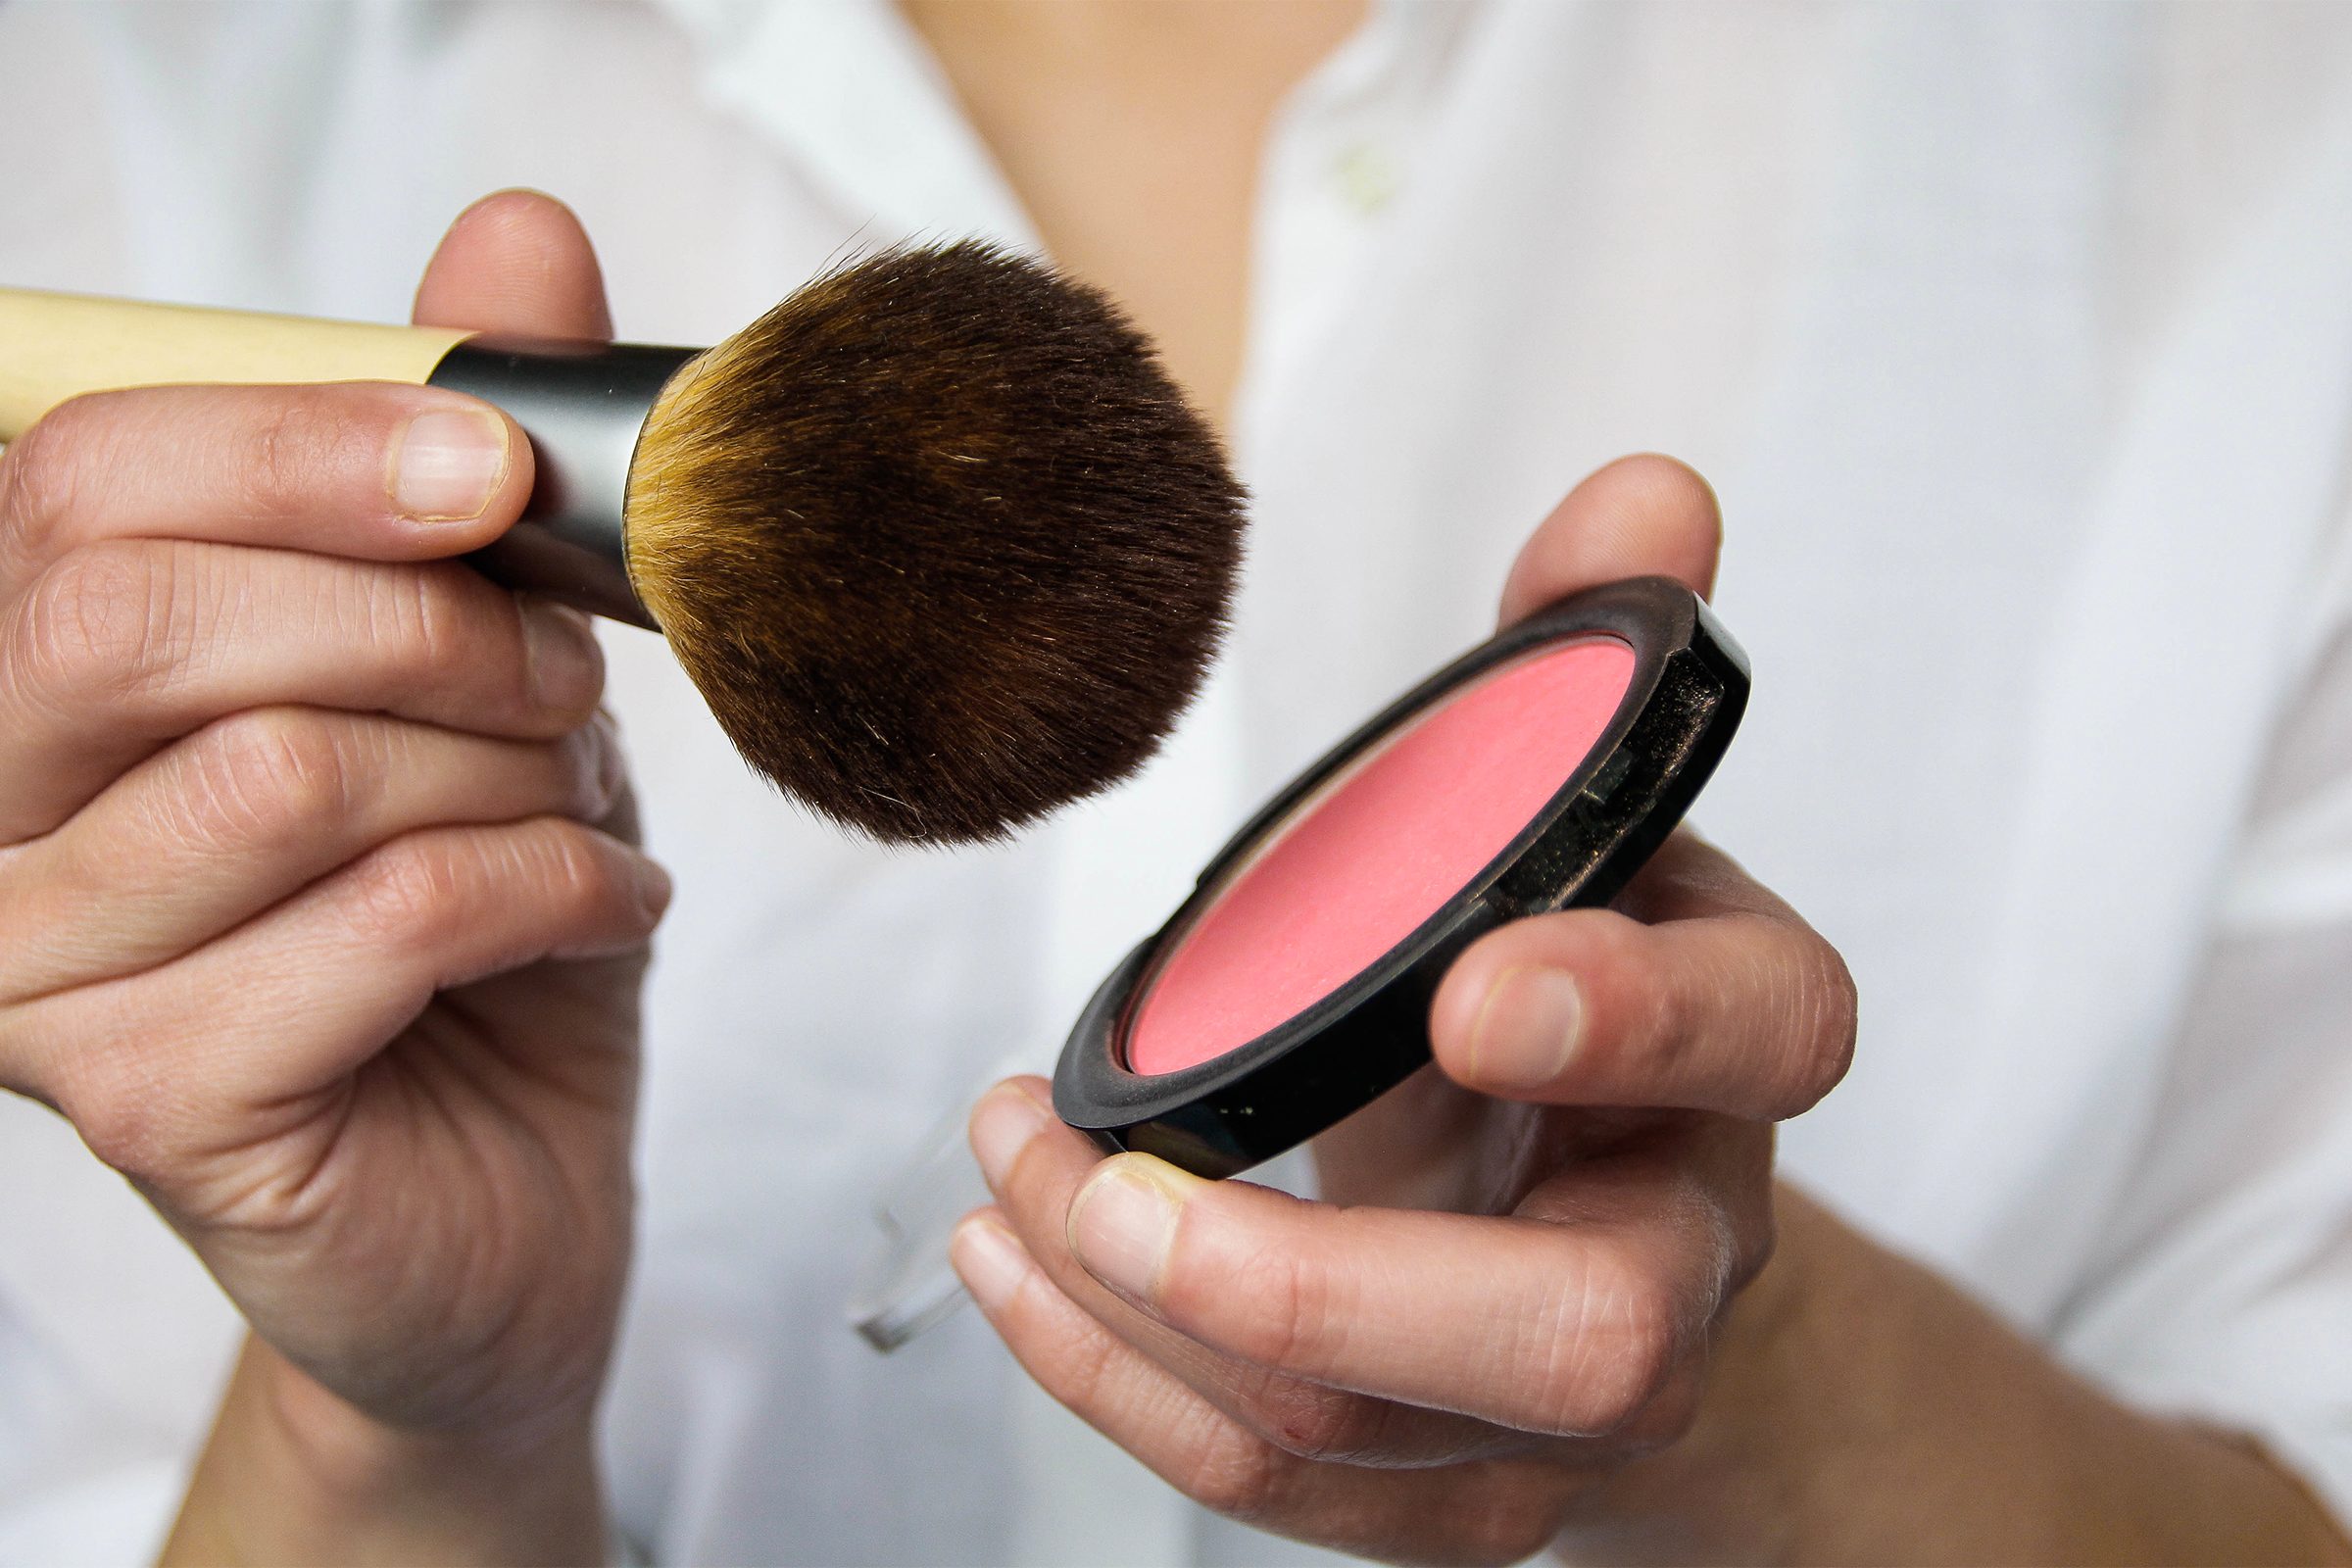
1283 1063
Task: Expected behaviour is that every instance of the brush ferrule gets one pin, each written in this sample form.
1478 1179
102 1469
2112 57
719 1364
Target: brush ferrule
583 406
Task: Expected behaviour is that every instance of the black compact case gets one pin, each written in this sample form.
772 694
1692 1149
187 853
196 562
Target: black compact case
1688 687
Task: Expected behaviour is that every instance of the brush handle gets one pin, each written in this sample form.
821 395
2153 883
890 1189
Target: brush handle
582 404
59 345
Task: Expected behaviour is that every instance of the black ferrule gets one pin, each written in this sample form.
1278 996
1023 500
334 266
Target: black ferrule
583 406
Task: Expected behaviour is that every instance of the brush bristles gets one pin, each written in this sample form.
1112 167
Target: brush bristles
941 543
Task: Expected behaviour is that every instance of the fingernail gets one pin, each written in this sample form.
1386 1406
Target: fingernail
1123 1223
600 769
1002 1123
1527 1029
654 887
567 667
988 1260
449 463
612 764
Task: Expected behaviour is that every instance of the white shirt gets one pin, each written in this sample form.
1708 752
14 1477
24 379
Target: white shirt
2018 342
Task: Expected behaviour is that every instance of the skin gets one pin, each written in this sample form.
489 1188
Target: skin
1122 125
252 722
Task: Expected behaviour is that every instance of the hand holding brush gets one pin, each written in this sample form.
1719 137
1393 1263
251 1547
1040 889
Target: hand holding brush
938 539
322 920
320 914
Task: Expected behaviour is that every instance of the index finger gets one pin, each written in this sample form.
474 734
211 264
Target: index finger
363 469
1639 517
1556 1329
1701 991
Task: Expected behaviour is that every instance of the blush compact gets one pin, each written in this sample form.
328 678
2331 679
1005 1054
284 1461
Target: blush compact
1293 988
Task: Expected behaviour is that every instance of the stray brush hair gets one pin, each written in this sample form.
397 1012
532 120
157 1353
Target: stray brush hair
940 541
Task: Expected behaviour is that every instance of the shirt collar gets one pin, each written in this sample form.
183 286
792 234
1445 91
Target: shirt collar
853 96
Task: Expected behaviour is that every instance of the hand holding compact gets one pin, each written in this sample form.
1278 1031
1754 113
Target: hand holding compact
319 913
1520 1300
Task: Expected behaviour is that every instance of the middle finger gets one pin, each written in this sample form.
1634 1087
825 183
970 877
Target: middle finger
1717 999
119 648
1570 1329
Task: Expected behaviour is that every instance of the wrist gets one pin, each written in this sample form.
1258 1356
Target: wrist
292 1472
347 1453
1862 1409
1753 1455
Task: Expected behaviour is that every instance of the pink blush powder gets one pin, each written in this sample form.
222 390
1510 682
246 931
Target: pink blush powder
1376 852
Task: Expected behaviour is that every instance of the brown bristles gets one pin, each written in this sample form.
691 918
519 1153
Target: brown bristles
939 540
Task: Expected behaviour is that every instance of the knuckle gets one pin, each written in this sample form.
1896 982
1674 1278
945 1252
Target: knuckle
1667 1025
95 624
427 623
569 875
113 1108
1270 1307
1308 1422
1645 1025
401 611
409 895
1610 1359
1240 1475
1087 1380
1666 1419
268 774
1649 1347
1644 1352
294 452
568 865
417 894
46 471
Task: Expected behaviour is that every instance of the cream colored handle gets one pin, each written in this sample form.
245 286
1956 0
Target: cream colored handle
58 346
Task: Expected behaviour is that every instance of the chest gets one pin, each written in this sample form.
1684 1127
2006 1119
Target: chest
1133 136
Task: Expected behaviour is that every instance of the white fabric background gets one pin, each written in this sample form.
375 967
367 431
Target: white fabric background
2018 340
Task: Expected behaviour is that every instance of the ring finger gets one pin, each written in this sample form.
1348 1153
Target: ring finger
229 821
1488 1511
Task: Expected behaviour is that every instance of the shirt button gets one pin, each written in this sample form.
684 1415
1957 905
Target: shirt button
1365 177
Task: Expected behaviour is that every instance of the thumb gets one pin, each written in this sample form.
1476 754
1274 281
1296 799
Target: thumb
1638 516
517 262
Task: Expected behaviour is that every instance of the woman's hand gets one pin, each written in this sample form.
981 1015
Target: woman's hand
319 913
1548 1316
1511 1289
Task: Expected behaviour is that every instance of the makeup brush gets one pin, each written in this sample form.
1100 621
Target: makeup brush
938 539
